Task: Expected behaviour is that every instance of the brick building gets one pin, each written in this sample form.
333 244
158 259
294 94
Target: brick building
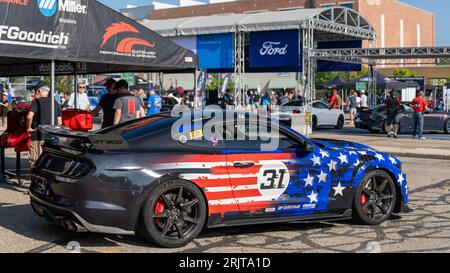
397 24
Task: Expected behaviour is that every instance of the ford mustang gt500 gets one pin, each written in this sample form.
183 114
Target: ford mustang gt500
143 177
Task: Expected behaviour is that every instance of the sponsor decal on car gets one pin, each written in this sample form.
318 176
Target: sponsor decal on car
14 35
126 46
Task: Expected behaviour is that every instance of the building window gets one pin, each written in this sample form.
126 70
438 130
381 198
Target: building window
347 4
327 5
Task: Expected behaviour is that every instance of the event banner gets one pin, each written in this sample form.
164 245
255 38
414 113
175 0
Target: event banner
215 51
275 49
84 32
325 66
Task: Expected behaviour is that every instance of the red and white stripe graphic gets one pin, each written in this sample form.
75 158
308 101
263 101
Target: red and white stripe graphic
227 188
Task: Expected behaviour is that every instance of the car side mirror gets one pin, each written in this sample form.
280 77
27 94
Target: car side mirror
309 147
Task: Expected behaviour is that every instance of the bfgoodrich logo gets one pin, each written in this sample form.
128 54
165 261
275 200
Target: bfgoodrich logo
48 7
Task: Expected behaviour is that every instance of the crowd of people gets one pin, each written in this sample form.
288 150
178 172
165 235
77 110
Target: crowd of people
118 105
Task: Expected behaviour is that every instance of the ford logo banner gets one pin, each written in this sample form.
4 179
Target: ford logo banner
278 49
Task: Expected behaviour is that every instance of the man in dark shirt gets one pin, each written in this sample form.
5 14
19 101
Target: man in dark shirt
392 113
40 114
126 106
107 104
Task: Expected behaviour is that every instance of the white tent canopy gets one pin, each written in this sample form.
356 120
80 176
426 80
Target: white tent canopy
330 20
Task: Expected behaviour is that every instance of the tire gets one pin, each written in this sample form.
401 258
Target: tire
374 206
314 123
340 122
169 221
447 127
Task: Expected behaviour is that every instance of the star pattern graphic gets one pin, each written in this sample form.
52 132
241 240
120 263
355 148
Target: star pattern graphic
339 190
393 161
357 163
332 165
309 180
343 158
379 157
324 154
401 179
316 160
322 177
313 197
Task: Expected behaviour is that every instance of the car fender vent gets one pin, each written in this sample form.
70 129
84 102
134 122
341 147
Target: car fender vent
367 158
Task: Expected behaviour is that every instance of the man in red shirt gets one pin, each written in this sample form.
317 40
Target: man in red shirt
336 100
419 105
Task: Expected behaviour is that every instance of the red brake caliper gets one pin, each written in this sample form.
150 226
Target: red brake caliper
159 208
363 199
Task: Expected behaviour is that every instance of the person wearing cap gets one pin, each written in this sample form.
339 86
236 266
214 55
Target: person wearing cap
392 114
82 99
154 102
107 104
126 106
40 114
4 104
419 105
364 100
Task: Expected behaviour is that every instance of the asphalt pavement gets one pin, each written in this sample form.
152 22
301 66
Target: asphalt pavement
427 229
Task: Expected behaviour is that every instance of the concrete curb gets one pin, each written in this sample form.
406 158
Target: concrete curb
415 153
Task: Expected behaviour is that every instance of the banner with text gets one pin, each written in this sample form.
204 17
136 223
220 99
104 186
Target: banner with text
275 49
215 51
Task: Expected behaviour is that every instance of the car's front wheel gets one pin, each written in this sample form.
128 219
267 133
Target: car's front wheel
174 214
340 122
375 198
447 127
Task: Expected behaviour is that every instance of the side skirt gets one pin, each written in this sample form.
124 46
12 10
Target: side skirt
214 223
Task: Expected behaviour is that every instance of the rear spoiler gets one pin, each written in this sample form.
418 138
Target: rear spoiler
101 142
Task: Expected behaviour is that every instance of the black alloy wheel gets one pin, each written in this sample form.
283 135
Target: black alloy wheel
375 198
174 214
340 122
447 127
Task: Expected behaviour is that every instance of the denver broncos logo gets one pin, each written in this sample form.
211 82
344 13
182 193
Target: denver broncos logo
126 45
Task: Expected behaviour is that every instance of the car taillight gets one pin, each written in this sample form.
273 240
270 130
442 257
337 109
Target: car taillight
296 112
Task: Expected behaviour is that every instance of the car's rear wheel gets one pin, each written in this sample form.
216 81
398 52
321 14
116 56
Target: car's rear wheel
174 214
447 127
340 122
375 198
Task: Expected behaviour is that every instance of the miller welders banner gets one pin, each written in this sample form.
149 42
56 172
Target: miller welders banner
84 35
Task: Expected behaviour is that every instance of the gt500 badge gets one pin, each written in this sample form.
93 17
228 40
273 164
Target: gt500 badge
273 180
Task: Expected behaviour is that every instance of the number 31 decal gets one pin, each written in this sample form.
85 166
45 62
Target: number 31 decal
273 179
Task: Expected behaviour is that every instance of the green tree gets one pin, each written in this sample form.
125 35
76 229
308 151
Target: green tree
404 72
62 83
216 85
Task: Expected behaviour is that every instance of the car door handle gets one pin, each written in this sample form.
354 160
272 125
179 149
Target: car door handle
244 164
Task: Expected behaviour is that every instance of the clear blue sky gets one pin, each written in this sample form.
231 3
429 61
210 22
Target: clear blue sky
441 9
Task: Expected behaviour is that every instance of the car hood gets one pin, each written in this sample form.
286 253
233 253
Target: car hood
342 145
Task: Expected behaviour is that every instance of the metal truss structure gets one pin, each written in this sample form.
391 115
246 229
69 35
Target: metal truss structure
239 69
343 23
375 55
